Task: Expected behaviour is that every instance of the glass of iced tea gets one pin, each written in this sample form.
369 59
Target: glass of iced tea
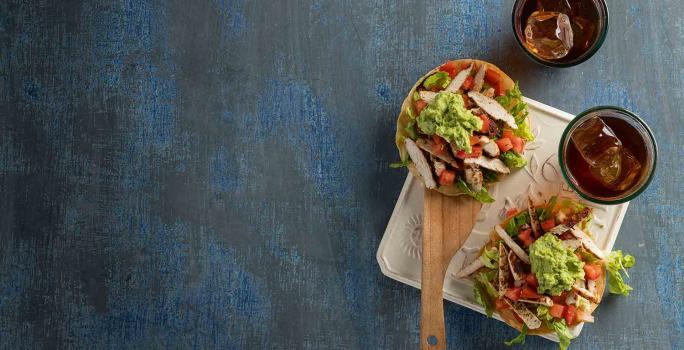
560 33
607 155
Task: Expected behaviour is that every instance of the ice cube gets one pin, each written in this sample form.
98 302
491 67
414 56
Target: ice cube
548 34
609 162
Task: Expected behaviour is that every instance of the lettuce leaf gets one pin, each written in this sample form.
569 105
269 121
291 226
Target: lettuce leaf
403 164
515 105
543 313
439 79
490 257
489 176
411 125
562 332
515 222
548 209
482 196
513 160
485 293
618 264
520 339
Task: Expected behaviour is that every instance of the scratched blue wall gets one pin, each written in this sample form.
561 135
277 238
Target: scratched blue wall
214 174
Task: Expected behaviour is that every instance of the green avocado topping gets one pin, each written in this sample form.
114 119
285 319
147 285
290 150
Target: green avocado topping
447 117
555 266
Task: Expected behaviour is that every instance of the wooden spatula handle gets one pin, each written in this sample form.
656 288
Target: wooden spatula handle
432 335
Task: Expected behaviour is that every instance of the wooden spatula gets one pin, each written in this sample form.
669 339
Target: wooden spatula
447 222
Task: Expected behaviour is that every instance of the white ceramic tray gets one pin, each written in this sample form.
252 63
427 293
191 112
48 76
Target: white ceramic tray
399 253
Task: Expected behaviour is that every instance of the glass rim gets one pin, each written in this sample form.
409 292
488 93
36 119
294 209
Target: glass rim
633 117
587 55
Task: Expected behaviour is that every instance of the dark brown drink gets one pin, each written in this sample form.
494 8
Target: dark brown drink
607 155
560 32
600 179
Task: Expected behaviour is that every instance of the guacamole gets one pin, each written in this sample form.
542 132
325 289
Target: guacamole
447 117
555 266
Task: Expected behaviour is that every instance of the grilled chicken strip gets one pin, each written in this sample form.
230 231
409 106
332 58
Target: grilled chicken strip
459 79
493 108
494 164
421 163
525 314
429 147
474 177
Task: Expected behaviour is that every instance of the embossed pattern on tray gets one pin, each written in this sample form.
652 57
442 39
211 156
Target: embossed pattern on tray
400 249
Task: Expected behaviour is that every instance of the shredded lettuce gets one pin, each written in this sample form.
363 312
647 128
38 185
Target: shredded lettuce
543 313
485 293
520 339
489 176
411 125
548 209
562 332
403 164
490 257
482 196
416 96
583 304
572 205
513 160
515 222
439 79
411 130
515 105
617 264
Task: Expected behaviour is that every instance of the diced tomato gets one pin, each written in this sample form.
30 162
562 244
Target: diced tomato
504 144
468 83
492 77
518 144
592 272
485 124
477 151
513 293
419 105
447 177
560 299
511 212
474 140
501 304
531 280
499 89
507 133
449 67
569 314
548 224
557 310
529 293
438 144
526 237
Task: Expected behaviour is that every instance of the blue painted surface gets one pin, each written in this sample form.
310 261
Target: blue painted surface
214 174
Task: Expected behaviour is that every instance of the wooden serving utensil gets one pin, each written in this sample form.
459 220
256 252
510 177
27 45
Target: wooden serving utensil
447 222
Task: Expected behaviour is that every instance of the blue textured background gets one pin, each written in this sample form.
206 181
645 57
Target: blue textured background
202 174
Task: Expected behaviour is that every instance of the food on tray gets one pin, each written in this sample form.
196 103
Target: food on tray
462 127
542 272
